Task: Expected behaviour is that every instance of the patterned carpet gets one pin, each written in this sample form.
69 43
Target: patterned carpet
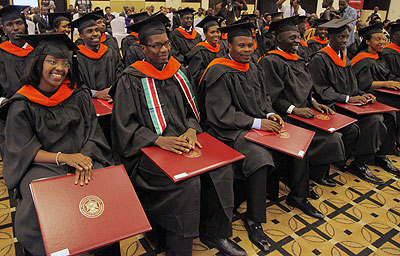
362 219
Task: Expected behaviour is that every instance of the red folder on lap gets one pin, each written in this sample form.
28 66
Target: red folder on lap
75 219
102 107
373 108
327 123
292 141
213 155
390 91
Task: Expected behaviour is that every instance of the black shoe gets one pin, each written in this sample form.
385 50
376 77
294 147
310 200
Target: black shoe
364 173
387 165
326 182
306 207
224 245
312 194
257 236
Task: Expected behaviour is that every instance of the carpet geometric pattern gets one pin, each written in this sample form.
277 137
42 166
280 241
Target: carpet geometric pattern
361 219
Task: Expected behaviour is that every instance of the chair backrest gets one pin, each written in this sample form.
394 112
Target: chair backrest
75 16
116 14
118 25
31 27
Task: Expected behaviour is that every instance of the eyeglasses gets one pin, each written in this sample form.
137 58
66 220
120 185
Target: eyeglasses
54 63
158 46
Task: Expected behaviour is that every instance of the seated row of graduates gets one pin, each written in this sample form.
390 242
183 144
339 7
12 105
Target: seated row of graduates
51 127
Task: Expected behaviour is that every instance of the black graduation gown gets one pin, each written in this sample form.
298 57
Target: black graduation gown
133 54
199 58
99 70
182 45
391 57
290 83
105 39
314 45
174 206
303 51
332 84
128 41
69 127
12 68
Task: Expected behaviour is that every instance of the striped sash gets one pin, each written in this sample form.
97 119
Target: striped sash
154 105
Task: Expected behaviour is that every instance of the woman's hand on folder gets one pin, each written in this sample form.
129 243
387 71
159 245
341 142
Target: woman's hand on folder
82 164
177 145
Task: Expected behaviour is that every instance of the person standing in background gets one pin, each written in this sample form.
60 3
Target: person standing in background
83 6
347 12
293 9
230 9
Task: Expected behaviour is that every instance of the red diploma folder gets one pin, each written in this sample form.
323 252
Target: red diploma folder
391 91
75 219
293 141
327 123
213 155
102 107
372 108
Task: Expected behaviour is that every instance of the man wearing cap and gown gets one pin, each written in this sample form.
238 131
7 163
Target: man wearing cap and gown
60 21
335 82
99 65
204 52
267 34
133 37
15 54
185 37
38 126
319 40
391 52
303 47
290 87
105 38
173 206
236 100
371 74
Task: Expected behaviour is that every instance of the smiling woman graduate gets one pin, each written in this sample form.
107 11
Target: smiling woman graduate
51 129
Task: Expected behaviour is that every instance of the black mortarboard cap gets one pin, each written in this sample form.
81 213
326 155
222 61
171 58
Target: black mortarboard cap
319 22
275 14
153 25
56 45
139 16
301 19
59 16
99 13
87 20
238 29
283 25
208 21
336 26
251 16
394 27
185 11
372 29
12 12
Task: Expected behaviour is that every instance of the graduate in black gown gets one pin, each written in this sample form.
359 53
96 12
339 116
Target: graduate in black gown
133 37
268 36
60 22
105 38
51 130
15 55
236 100
290 86
99 65
371 73
303 47
391 52
204 52
335 82
185 37
175 207
319 40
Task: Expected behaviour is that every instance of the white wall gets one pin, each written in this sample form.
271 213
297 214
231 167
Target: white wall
394 10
